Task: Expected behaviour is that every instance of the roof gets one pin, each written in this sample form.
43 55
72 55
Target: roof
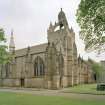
33 50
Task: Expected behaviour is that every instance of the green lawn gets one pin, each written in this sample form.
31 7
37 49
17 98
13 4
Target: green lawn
86 88
7 98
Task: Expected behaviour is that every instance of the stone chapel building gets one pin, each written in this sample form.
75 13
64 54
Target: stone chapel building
51 65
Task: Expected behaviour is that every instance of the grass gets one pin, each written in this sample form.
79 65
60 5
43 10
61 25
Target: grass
86 88
7 98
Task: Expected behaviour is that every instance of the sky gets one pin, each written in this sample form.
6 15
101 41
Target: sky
30 19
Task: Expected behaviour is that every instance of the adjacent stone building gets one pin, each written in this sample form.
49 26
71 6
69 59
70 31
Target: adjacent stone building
51 65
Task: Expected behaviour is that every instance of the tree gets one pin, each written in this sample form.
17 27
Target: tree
4 56
91 18
96 67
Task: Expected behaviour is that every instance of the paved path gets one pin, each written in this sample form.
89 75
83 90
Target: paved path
46 92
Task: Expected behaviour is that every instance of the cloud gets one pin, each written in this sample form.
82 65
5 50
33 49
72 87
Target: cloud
30 19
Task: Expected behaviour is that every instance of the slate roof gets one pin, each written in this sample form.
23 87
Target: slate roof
33 50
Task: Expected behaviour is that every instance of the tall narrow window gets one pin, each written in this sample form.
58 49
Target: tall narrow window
39 67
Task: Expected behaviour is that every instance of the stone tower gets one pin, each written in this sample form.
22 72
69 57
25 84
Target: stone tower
62 38
12 64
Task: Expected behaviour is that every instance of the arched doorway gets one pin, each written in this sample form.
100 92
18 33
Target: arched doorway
22 82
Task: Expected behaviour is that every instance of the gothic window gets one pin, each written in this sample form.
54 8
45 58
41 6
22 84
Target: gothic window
39 67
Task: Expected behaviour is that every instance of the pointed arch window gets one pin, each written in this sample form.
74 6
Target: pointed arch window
39 67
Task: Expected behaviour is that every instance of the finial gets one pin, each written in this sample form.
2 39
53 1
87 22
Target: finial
72 29
55 23
11 32
28 48
48 43
50 23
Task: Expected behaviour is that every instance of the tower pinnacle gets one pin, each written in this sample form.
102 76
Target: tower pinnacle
12 44
61 9
62 19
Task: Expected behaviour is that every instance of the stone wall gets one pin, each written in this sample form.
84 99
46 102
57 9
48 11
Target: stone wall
34 83
10 82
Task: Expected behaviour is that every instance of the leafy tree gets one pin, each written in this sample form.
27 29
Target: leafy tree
4 56
91 19
97 68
